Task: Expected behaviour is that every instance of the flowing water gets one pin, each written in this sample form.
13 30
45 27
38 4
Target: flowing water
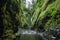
30 35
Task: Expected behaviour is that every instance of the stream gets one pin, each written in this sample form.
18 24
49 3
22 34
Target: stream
30 35
27 34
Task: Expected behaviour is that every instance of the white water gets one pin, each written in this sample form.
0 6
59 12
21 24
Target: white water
25 31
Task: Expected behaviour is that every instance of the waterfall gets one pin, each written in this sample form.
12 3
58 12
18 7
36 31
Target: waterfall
28 3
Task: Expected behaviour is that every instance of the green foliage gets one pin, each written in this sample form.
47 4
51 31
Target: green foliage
45 13
41 10
10 9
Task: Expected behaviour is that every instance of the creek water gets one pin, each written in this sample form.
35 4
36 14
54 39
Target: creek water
30 35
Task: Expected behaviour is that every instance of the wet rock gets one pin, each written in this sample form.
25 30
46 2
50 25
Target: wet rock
52 34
